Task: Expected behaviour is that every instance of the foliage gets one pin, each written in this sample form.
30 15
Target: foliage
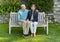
6 6
44 5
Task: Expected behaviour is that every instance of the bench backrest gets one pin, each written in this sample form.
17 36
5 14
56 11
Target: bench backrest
41 17
13 16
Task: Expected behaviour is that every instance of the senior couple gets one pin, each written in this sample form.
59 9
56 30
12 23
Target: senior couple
28 19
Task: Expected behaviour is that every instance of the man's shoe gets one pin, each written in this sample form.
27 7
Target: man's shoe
25 36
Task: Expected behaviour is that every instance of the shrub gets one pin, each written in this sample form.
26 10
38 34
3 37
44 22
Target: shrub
9 5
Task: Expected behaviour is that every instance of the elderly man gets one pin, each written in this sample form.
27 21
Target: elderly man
22 15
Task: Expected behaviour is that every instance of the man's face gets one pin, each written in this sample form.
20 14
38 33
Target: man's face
33 8
23 7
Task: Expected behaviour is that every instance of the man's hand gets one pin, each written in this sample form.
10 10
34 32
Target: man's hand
28 21
24 22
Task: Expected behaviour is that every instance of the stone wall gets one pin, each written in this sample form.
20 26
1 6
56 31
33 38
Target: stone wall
57 10
4 19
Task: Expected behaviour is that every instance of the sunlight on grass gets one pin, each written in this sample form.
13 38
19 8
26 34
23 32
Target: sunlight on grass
3 38
38 38
16 36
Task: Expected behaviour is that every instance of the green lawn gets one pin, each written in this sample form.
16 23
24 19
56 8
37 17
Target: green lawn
16 36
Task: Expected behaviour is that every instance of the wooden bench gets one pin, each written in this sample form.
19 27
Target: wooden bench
41 21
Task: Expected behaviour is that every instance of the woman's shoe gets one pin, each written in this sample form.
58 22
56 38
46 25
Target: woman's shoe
34 35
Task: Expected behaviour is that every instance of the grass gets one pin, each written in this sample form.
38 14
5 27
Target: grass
16 36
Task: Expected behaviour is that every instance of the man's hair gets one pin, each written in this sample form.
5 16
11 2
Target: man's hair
23 5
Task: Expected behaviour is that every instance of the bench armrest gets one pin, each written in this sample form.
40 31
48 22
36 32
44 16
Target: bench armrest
46 19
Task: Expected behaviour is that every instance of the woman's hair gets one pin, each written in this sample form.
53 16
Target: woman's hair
33 5
40 10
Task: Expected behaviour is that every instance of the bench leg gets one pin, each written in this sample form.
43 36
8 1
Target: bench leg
47 30
9 30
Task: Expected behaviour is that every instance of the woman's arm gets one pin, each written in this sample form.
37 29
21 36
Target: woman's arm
37 15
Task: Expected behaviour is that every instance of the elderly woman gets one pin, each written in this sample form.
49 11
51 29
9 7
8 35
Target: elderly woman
33 18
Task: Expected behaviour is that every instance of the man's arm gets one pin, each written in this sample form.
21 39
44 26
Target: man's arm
27 16
19 16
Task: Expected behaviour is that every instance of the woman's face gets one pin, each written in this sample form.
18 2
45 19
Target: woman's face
33 7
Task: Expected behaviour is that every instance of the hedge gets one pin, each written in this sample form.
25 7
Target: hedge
44 5
14 5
